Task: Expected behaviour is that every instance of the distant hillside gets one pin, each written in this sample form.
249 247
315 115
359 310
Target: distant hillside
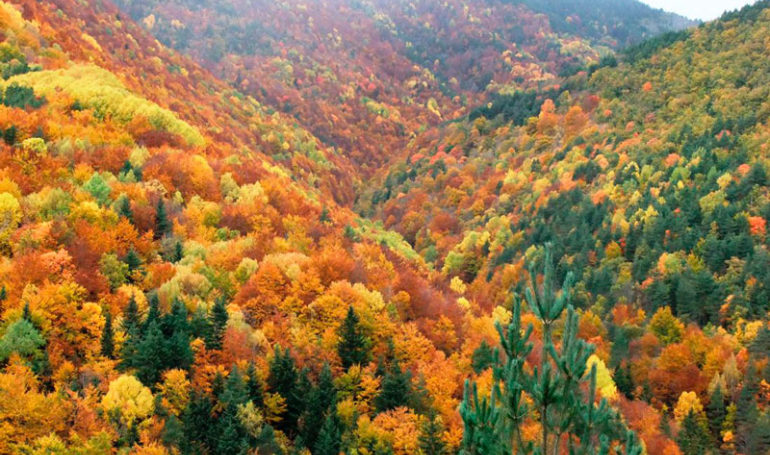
365 76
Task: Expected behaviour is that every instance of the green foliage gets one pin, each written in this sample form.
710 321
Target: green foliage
431 437
22 338
329 438
320 404
21 96
483 357
108 337
493 425
98 187
283 379
218 320
693 437
395 389
162 223
98 89
354 347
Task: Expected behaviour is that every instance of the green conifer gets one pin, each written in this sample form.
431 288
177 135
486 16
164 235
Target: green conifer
354 346
162 223
108 337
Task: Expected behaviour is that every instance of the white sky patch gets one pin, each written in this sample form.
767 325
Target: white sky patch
705 10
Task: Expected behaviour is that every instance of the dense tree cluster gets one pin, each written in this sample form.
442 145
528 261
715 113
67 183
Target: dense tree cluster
180 272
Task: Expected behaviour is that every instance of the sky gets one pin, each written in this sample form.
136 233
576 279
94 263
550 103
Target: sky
698 9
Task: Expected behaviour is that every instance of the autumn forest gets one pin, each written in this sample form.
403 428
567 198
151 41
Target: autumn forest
383 227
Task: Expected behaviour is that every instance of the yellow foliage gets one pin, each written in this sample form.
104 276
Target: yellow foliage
688 402
10 216
275 406
604 383
129 398
99 89
175 390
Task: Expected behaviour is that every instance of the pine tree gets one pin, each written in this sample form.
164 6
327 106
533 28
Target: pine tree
329 438
108 337
235 392
554 388
354 347
431 440
162 224
200 327
716 411
178 252
218 321
665 424
283 380
153 310
231 440
131 317
320 399
173 432
624 381
395 390
693 438
3 294
178 353
133 261
132 326
254 386
198 424
482 357
26 313
124 209
150 355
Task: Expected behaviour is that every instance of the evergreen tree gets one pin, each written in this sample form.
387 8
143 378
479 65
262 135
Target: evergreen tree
133 261
284 380
178 252
150 355
482 357
624 381
108 337
395 390
199 325
173 433
619 350
231 440
162 223
3 294
747 399
693 438
176 330
665 416
153 310
132 328
131 317
431 440
124 209
320 399
329 437
235 392
354 346
218 321
716 411
254 386
197 424
554 388
26 313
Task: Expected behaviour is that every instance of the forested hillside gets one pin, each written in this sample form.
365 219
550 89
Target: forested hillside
650 180
365 76
382 228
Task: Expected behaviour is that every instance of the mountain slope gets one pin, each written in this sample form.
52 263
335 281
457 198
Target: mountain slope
650 180
366 76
